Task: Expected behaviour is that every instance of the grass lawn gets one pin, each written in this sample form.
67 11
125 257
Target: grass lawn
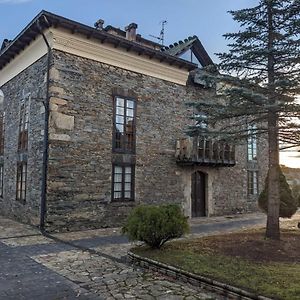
244 259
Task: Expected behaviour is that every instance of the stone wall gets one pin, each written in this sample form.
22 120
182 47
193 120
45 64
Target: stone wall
80 149
32 80
80 157
80 146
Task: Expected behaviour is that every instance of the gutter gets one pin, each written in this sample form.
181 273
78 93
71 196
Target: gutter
46 131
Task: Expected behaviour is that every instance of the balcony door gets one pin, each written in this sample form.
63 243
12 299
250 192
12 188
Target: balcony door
198 194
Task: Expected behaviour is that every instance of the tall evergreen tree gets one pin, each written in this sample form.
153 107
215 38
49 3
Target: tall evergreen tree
261 86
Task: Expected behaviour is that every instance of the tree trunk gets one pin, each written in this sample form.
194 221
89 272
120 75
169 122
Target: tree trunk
272 230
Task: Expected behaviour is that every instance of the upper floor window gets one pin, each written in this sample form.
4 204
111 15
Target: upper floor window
252 143
124 125
23 124
200 121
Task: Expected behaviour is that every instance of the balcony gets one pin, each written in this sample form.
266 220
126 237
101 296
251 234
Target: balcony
204 152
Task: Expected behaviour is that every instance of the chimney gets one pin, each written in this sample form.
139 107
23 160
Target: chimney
5 43
131 31
99 24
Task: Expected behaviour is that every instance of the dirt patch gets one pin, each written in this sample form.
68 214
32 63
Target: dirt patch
255 247
252 246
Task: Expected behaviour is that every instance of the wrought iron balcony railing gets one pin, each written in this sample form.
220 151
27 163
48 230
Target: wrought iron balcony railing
206 152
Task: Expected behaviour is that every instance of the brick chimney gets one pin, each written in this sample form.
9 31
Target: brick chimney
131 31
99 24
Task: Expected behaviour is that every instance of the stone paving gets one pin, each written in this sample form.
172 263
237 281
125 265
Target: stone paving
91 264
23 278
114 280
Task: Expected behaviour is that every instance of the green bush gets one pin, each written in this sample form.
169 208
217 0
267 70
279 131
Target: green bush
288 203
296 192
155 225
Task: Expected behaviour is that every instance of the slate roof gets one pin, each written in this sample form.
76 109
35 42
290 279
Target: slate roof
46 20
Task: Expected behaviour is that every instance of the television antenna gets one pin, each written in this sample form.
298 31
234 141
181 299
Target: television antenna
161 36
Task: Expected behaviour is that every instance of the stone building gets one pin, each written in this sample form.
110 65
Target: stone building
93 123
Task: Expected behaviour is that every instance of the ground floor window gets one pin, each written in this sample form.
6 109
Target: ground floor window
252 182
1 179
21 181
123 183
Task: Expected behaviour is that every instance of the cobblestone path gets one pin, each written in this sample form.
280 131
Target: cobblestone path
87 265
34 267
22 278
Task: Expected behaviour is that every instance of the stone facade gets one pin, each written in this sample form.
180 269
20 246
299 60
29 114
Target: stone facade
30 81
80 146
80 149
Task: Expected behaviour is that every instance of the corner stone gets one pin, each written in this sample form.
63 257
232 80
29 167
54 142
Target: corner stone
62 121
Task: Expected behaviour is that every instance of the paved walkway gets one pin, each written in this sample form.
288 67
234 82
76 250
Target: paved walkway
91 264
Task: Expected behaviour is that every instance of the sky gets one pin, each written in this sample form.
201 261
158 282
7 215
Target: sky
208 19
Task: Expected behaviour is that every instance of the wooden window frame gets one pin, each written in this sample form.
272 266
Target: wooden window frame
123 148
21 183
132 191
22 167
24 124
1 179
252 143
252 185
2 131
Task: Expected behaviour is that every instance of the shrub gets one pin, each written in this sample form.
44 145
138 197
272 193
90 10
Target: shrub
155 225
296 192
288 203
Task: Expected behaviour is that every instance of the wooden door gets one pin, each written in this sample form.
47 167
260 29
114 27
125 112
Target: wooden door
198 194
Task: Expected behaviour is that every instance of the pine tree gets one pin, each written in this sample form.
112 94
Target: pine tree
260 80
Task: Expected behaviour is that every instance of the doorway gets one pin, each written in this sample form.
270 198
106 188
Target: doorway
198 194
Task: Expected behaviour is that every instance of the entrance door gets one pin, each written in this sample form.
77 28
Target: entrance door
198 194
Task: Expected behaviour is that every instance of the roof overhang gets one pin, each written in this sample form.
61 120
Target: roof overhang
45 20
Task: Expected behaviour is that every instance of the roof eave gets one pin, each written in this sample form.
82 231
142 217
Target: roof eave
32 30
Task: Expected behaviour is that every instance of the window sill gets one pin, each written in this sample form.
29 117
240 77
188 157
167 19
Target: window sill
21 201
123 151
252 197
122 201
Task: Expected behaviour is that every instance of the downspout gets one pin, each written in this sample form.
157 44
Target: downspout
46 131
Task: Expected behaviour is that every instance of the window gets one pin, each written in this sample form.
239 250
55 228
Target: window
1 179
207 149
21 180
226 152
23 124
201 147
2 134
252 182
2 118
215 151
201 121
123 183
252 143
124 125
22 149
